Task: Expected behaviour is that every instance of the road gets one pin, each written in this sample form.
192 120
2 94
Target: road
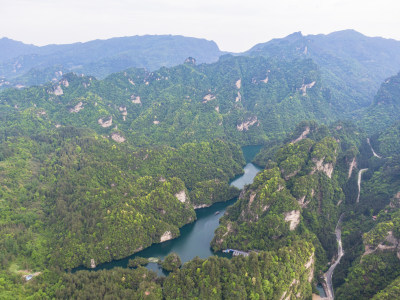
329 273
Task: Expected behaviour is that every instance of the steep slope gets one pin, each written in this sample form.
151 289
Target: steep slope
72 197
244 100
298 196
385 109
352 65
370 232
34 65
379 265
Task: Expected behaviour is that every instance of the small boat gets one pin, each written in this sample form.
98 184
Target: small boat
217 212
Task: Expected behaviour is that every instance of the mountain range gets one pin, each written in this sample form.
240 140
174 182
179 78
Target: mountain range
108 147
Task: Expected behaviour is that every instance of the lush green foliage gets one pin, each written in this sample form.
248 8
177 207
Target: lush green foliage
231 100
138 261
266 275
211 191
71 196
375 272
296 196
352 65
385 108
171 262
392 291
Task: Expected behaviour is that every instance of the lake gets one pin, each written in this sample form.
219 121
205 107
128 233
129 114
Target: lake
195 238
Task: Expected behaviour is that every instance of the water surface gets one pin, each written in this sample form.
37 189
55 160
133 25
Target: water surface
195 238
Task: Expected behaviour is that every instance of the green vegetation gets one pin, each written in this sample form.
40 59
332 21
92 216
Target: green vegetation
205 193
385 108
266 275
392 291
374 273
171 262
352 65
188 103
137 261
296 197
96 170
70 197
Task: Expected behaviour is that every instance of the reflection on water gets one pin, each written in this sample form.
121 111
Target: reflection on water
195 238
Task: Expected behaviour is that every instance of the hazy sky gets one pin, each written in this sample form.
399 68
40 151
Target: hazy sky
234 25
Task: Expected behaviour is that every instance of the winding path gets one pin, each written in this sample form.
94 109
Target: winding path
328 275
338 231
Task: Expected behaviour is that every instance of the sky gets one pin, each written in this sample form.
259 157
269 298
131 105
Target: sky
234 25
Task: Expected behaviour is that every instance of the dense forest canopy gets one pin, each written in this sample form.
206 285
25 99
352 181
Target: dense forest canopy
97 168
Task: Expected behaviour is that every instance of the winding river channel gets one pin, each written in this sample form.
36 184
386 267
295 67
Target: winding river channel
195 238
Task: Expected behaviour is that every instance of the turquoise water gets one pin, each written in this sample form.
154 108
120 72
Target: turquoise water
321 290
195 238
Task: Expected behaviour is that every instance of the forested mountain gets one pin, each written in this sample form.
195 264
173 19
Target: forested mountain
78 194
10 48
243 100
371 230
385 109
26 65
299 195
352 65
96 169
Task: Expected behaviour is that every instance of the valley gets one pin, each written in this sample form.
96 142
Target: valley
194 240
125 174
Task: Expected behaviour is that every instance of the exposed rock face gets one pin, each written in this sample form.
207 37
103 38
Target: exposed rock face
122 109
389 243
217 109
303 203
238 84
239 97
124 112
58 91
359 183
200 206
118 138
288 176
372 149
244 126
302 136
76 108
310 266
92 263
295 291
65 82
320 166
252 197
293 217
265 80
304 87
135 99
105 122
166 236
353 164
190 61
208 97
181 196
